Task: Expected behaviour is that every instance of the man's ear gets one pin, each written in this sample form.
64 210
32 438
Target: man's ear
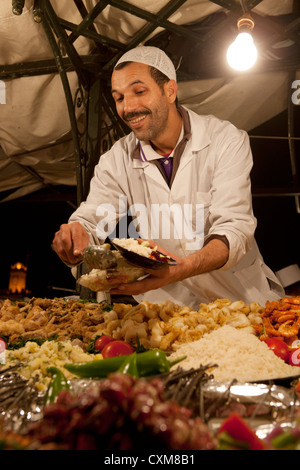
171 90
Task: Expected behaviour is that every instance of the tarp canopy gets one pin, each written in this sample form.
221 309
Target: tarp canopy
36 134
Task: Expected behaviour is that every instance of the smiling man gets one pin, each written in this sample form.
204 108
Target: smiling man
194 171
147 107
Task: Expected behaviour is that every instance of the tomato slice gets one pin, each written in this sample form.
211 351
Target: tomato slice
279 347
117 348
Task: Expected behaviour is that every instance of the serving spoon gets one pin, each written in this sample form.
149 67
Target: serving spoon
99 257
96 257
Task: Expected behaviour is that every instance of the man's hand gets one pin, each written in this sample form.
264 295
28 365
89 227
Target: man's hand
157 277
211 256
69 242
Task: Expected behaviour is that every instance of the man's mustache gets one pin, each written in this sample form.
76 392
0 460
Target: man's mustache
134 115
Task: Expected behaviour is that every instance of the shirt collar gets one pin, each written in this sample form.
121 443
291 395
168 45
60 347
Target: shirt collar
148 150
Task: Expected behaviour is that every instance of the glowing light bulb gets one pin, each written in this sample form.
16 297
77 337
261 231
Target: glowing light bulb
242 53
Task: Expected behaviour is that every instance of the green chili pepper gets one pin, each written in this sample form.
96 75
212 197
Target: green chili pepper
129 366
227 442
58 382
285 439
154 362
150 362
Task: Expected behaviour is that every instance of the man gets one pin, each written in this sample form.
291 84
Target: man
185 179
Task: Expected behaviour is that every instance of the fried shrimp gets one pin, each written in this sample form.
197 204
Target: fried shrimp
289 328
281 319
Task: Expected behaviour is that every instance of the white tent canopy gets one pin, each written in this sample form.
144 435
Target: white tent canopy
36 137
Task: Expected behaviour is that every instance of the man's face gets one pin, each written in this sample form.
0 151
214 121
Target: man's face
140 103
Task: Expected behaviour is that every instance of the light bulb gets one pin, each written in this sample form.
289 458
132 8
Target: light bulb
242 53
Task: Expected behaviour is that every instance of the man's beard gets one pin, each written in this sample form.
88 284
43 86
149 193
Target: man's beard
156 124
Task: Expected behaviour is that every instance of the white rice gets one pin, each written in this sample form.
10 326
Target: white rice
239 354
132 244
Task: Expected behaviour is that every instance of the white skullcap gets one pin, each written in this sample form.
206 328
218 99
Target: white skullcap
152 56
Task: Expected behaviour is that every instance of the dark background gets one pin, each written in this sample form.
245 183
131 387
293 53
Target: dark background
28 224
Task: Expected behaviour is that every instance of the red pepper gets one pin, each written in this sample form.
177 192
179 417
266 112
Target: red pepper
237 428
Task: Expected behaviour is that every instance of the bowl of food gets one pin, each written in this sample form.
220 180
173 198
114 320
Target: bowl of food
141 254
122 272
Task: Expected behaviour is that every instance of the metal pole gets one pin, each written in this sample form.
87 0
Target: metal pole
291 140
68 95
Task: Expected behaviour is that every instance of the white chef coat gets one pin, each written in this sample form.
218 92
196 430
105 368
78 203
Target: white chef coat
214 173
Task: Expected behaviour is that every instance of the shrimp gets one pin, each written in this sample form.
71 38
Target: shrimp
289 328
291 300
269 328
281 318
286 317
273 307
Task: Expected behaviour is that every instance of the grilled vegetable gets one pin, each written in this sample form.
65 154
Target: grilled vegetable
288 439
236 434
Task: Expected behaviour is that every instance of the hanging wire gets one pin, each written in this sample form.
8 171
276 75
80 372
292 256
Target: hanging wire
244 7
